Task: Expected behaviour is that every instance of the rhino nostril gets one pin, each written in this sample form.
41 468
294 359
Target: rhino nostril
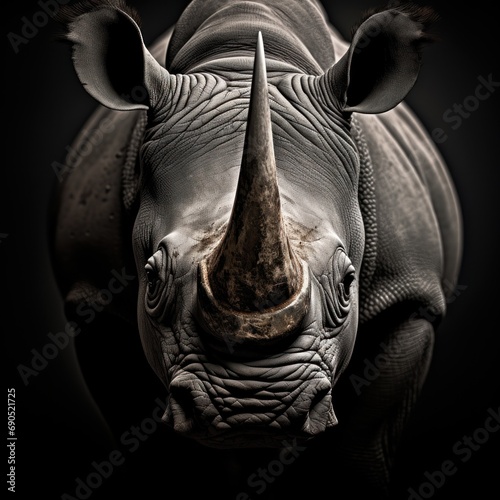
320 414
195 409
182 409
318 398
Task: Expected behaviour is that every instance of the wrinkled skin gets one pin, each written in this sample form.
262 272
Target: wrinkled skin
298 378
366 202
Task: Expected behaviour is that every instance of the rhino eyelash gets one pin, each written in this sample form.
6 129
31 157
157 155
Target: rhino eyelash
152 278
153 269
348 279
344 289
159 275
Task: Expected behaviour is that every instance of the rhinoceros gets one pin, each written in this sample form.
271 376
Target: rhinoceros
290 220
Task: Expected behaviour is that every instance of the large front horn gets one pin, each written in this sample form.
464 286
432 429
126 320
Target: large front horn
253 285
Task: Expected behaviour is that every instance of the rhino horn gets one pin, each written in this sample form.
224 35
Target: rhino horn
253 277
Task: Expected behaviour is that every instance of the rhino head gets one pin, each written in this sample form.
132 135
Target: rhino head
249 238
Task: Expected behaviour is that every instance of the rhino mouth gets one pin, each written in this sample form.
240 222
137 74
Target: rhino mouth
254 403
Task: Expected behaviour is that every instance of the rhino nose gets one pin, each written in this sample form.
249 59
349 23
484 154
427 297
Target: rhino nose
193 412
181 409
190 408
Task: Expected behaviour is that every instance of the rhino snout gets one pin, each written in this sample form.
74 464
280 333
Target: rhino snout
253 413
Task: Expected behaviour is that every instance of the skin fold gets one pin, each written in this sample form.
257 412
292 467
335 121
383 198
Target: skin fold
365 209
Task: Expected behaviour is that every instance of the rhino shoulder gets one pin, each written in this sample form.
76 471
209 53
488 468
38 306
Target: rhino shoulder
94 213
413 223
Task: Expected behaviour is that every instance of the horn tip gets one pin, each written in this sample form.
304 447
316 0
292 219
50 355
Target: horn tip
260 45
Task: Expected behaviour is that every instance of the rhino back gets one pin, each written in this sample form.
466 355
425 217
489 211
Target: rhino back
295 32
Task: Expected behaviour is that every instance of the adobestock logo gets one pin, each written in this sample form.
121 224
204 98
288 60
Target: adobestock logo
60 340
130 442
31 27
90 139
372 368
463 450
456 114
264 476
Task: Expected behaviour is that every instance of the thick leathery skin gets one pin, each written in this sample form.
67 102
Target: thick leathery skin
399 220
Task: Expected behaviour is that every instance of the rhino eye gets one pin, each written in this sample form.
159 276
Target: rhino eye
153 269
337 285
159 275
347 275
152 277
345 284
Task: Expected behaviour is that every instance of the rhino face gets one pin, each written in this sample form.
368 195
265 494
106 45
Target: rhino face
249 239
248 308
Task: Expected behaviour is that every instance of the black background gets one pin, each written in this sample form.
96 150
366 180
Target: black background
59 427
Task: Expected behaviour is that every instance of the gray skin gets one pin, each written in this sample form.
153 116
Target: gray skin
366 204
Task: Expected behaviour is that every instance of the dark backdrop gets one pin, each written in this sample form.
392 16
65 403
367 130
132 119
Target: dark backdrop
60 429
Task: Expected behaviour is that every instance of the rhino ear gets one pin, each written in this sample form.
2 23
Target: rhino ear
382 63
110 58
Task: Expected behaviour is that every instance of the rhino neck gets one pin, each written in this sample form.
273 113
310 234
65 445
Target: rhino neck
295 33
